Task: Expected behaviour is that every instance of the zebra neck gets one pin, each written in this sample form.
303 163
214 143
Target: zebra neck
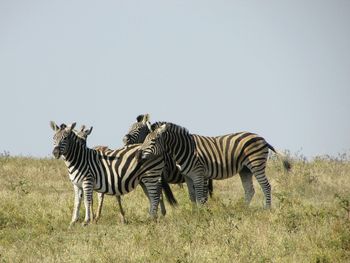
76 155
181 148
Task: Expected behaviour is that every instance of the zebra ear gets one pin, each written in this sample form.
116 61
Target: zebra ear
82 128
88 132
149 126
54 126
143 118
71 126
140 118
161 129
146 118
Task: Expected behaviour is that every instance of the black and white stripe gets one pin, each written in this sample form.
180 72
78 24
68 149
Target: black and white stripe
220 157
83 134
114 172
137 134
138 130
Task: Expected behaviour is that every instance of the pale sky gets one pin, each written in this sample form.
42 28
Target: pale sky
277 68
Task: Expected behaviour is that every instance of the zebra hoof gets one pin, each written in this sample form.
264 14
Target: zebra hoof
85 223
153 218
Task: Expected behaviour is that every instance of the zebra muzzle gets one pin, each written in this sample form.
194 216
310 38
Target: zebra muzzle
126 139
56 152
140 156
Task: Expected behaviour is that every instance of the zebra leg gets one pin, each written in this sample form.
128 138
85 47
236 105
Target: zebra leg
190 187
260 176
92 208
100 197
247 182
207 188
78 194
88 191
154 189
161 199
162 206
210 187
199 186
121 210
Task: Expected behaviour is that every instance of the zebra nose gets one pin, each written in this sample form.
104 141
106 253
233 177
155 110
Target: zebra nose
138 155
56 152
126 139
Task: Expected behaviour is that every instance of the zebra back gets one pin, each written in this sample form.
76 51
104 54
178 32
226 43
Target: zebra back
220 156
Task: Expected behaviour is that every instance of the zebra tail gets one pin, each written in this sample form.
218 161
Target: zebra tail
168 194
286 163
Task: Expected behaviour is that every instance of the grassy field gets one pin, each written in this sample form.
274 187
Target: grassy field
308 222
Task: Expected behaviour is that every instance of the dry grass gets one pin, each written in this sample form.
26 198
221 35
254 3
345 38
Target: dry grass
308 221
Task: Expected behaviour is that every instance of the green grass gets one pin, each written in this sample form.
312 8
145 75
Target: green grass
308 221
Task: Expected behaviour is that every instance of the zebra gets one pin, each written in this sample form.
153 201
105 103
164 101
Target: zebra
217 158
138 133
115 173
83 134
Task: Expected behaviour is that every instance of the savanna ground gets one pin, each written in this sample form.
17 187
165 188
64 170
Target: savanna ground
308 222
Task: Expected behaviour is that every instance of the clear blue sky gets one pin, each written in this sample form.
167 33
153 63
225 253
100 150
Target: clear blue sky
277 68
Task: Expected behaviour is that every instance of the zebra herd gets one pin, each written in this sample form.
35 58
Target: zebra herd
154 156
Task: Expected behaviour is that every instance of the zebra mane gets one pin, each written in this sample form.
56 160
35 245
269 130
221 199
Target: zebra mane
158 124
77 138
170 126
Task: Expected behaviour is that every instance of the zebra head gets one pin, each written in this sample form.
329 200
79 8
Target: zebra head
153 144
83 133
138 131
62 138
